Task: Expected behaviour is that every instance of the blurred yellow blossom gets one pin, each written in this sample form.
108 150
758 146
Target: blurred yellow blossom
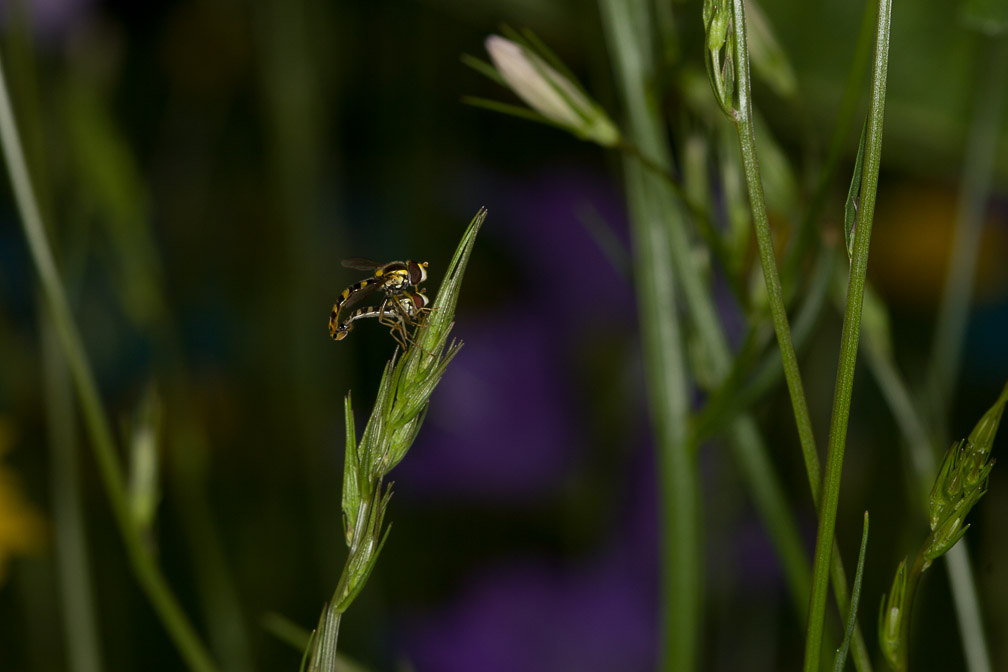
22 528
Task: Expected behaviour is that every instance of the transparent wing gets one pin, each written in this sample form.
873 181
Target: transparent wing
357 299
360 264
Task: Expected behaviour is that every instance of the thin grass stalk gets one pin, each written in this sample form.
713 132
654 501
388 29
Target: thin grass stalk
653 212
967 608
83 645
70 546
748 449
947 347
148 575
974 194
848 343
743 120
841 654
761 223
737 392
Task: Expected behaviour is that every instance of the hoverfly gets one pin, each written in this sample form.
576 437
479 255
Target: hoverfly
391 277
402 308
403 301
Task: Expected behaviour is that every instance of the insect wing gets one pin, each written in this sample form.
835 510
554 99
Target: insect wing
361 264
356 298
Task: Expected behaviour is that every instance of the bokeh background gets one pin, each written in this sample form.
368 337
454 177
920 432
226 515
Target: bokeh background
203 166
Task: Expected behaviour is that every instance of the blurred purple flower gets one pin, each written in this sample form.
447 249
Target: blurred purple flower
558 225
501 423
530 615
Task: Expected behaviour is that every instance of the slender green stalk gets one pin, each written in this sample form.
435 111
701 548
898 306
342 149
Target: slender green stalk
630 50
104 170
920 449
736 394
947 346
70 536
967 608
653 213
701 216
974 192
913 578
750 454
743 121
778 313
69 530
848 344
142 562
841 655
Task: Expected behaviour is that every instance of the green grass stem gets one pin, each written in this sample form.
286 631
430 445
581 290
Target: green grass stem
848 344
749 451
841 655
761 222
947 347
654 213
83 644
153 583
967 608
974 194
743 121
738 391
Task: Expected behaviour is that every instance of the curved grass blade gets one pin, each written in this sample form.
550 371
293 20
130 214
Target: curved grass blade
841 654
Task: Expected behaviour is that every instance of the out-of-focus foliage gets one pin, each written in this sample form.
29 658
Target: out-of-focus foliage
205 166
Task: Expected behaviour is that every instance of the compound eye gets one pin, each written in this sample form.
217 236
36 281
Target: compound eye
417 272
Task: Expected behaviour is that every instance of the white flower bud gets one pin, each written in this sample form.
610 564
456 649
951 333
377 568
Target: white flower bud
549 93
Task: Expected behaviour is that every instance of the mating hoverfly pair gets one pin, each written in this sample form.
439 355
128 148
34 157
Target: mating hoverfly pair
397 283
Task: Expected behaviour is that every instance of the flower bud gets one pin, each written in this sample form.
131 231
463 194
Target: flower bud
945 537
717 18
557 98
891 616
982 436
946 491
144 489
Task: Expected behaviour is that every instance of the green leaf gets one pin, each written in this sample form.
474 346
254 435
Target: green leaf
854 193
841 655
484 68
509 109
351 472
